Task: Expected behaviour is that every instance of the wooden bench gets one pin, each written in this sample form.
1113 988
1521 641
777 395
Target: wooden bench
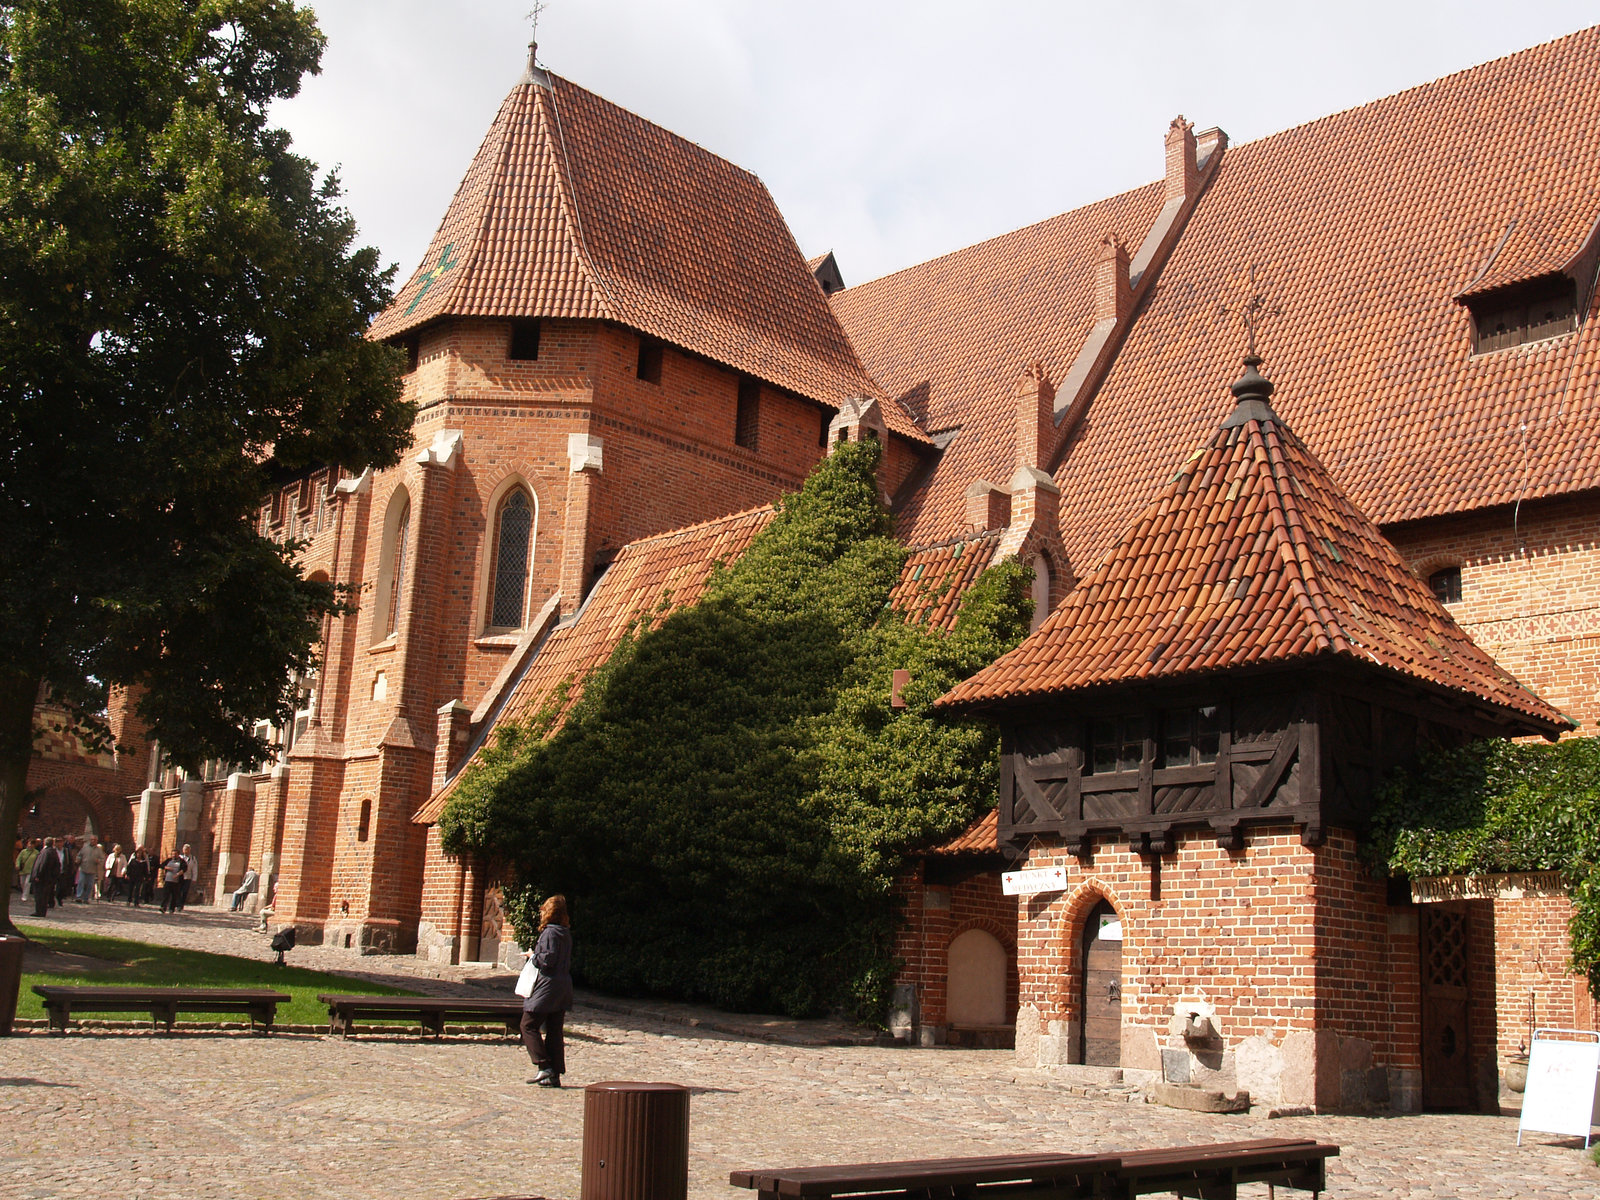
162 1003
431 1011
1206 1172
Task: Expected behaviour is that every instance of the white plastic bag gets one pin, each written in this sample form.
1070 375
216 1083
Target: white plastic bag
526 980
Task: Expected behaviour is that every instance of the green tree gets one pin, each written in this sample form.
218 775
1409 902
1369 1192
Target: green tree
726 804
182 314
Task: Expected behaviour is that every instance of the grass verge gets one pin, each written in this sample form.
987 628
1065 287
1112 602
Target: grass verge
167 966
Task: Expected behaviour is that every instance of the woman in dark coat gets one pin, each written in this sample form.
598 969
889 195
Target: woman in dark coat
544 1012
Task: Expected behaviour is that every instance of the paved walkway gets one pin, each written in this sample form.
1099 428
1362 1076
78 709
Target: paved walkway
199 1116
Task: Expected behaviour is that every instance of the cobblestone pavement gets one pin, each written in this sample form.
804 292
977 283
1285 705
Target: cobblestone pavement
207 1115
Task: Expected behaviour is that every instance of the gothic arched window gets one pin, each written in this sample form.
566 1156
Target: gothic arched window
392 564
513 553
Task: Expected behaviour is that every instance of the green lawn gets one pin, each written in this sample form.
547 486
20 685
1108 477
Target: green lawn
142 963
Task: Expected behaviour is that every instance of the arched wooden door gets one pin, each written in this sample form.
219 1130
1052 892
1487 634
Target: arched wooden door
1101 995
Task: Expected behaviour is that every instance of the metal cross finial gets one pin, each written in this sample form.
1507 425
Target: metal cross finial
533 15
1249 312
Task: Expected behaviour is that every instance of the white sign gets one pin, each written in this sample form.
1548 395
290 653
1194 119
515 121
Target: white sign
1031 883
1562 1068
1110 927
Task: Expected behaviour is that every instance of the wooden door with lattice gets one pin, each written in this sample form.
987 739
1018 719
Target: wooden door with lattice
1446 990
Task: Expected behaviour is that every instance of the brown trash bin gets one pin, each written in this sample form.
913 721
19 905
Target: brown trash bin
635 1141
10 979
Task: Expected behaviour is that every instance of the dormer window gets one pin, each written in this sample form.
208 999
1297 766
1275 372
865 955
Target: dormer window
1446 585
1530 312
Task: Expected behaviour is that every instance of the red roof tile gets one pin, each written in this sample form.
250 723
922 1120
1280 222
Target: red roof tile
1364 227
981 837
950 337
934 579
574 207
1250 555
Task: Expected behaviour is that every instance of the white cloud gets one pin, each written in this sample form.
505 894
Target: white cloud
889 131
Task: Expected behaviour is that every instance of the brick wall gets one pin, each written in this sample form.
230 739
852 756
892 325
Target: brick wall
933 916
1530 592
1290 950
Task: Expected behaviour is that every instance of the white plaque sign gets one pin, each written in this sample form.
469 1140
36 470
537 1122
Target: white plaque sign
1031 883
1562 1069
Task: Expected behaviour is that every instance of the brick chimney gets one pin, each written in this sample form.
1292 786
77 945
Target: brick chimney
858 417
1183 171
1036 410
1113 295
988 506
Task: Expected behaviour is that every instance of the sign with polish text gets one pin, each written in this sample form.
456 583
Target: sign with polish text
1031 883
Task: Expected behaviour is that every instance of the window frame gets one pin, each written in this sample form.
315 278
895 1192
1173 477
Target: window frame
496 549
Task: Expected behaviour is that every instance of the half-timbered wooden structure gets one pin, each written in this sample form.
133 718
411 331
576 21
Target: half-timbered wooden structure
1209 711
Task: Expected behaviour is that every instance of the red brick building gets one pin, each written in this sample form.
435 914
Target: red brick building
620 356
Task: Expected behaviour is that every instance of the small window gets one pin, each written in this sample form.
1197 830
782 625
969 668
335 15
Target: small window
747 421
822 428
1191 737
364 822
1446 585
1116 744
413 348
1533 313
649 360
524 341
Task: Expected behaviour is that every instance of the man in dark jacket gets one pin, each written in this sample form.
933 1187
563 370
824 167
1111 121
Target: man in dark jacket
46 874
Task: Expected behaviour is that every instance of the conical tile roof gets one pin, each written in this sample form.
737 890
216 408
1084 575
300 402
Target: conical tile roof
576 208
1251 555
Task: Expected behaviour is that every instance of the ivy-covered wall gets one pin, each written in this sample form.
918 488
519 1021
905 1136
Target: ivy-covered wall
728 803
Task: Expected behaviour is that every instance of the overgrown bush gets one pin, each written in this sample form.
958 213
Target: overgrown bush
1501 806
726 805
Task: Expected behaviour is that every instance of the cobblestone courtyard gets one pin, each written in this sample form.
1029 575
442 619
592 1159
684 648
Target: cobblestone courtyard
209 1115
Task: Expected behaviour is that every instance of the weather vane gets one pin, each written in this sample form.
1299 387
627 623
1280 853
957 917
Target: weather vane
1249 312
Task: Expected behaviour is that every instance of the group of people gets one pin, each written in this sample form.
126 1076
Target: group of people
51 871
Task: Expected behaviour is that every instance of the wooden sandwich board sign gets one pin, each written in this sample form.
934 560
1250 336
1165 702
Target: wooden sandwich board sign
1563 1065
1031 883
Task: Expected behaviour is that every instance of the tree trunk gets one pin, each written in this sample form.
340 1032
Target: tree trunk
17 696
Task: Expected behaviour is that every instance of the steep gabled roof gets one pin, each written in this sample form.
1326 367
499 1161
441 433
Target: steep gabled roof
576 208
1251 555
1364 228
950 337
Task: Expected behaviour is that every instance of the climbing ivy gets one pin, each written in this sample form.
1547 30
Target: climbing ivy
728 801
1499 806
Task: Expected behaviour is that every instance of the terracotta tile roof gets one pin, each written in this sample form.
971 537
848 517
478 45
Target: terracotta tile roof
981 837
1364 227
574 207
950 338
648 578
934 579
1251 555
652 576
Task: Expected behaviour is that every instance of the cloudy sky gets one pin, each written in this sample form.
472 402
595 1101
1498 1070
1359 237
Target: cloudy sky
888 131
